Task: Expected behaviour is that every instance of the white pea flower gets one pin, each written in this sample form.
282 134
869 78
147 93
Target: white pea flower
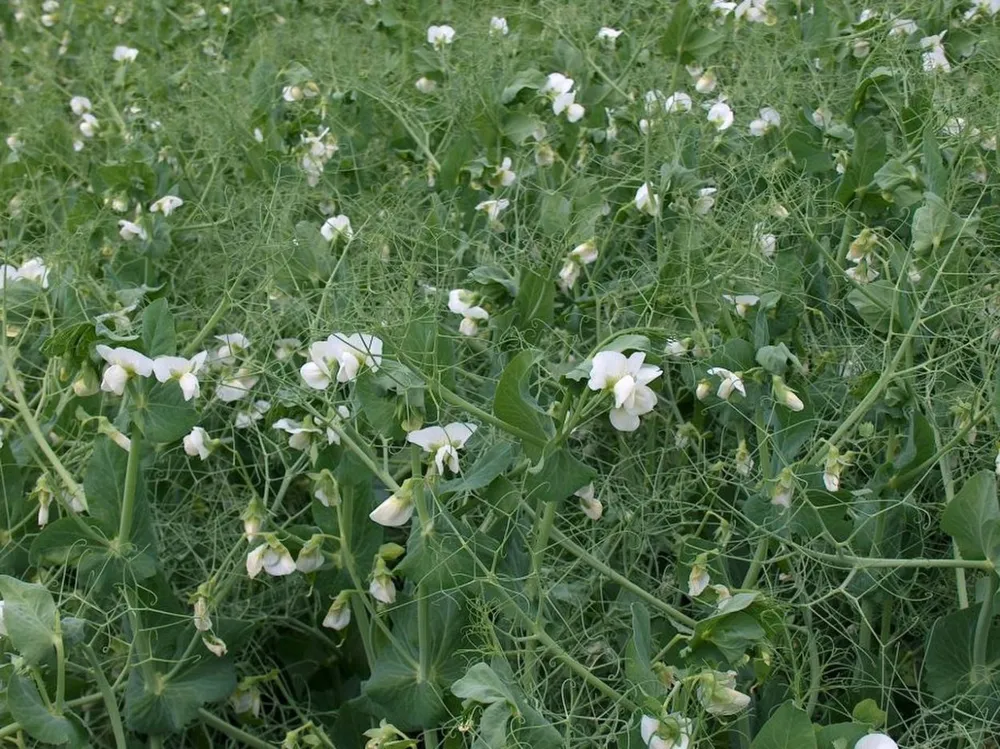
493 209
769 120
768 245
129 230
731 381
559 89
236 388
628 379
903 27
202 621
33 270
876 741
673 731
555 84
382 588
590 505
197 442
80 105
300 433
215 645
185 371
677 102
440 36
246 700
285 348
253 518
443 443
463 302
863 272
338 616
705 200
780 212
785 395
122 53
784 489
166 205
934 58
498 25
44 500
608 35
723 8
425 85
504 175
125 364
647 201
833 465
88 125
292 94
336 227
676 347
861 48
397 509
341 357
233 345
706 82
271 557
569 274
755 11
719 696
311 556
721 116
742 302
698 579
254 413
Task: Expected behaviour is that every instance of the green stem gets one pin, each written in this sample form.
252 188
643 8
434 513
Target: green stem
847 561
983 625
585 556
757 563
202 334
232 731
347 441
108 696
455 399
360 612
131 481
544 522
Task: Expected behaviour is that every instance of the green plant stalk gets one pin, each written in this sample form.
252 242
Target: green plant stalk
585 556
360 610
60 647
232 731
108 695
543 522
756 564
455 399
207 328
983 623
128 498
847 561
348 442
423 596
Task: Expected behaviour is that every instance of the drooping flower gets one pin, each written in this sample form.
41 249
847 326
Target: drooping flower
699 578
337 227
783 489
89 125
590 505
185 371
122 53
33 270
215 645
341 357
125 364
742 302
903 27
130 230
785 395
398 508
236 388
647 201
766 242
246 699
202 621
504 176
300 432
608 35
255 412
721 116
744 461
311 556
443 443
705 200
718 694
425 85
628 379
440 36
465 303
677 102
769 120
581 255
233 345
271 557
382 588
80 105
338 616
706 82
493 209
197 442
934 58
498 25
730 382
672 731
166 205
876 741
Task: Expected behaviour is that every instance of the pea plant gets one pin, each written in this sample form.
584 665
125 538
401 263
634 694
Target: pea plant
415 374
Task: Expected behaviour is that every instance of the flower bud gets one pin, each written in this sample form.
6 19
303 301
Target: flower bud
325 488
703 390
784 394
253 517
718 694
339 614
214 644
311 556
398 508
86 382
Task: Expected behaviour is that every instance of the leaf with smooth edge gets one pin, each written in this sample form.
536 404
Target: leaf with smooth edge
972 516
170 705
514 404
787 728
30 616
158 337
26 707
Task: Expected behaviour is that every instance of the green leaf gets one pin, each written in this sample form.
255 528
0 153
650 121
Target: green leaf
26 707
558 477
868 155
876 76
556 211
972 516
167 706
534 304
639 653
935 173
881 304
12 506
935 226
732 632
869 713
530 78
917 449
519 127
673 43
628 342
493 727
775 359
514 404
493 462
840 735
158 337
30 617
948 669
787 728
162 413
481 684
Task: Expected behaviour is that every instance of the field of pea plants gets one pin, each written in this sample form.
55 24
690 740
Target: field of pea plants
398 374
